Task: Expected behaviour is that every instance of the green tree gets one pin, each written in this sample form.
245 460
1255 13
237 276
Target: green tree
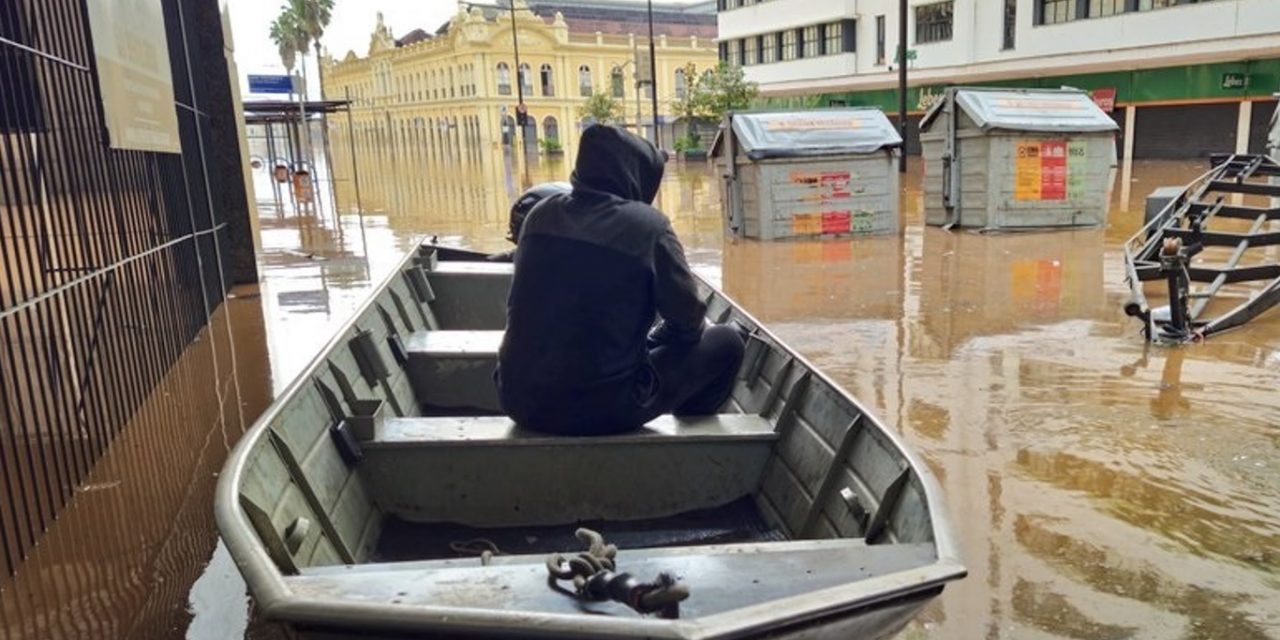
288 38
720 91
313 17
601 107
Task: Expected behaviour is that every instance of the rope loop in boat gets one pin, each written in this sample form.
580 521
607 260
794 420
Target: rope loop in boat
593 575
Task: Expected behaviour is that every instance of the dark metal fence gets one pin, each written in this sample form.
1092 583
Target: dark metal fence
109 259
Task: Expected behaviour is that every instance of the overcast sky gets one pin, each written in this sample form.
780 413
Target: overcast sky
353 22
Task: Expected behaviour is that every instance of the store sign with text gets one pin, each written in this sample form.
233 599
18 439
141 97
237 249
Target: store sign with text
134 77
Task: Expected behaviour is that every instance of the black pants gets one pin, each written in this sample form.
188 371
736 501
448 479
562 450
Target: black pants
696 380
687 380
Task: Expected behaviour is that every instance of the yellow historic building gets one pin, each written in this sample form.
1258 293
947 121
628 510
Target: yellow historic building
455 91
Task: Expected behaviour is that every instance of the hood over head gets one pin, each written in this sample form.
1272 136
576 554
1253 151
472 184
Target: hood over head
614 161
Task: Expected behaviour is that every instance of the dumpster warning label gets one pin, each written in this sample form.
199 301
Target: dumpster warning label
1076 169
828 222
825 185
1042 169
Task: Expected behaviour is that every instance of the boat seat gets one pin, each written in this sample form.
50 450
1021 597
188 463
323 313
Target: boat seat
454 369
470 295
486 471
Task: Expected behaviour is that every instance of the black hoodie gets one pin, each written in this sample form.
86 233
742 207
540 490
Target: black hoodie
592 270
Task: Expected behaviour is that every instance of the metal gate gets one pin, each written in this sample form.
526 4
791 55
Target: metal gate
109 259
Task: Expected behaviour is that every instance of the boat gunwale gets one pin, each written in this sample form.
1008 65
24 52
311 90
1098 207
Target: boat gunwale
269 586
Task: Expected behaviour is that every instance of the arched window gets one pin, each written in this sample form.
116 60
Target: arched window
504 79
526 82
508 129
451 94
682 88
551 129
584 81
616 82
548 81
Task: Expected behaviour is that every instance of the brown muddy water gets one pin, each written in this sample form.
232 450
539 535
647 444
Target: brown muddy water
1101 487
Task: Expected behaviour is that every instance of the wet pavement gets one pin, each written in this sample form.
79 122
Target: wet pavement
1101 488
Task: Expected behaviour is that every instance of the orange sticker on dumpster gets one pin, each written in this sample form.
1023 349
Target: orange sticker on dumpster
1027 171
806 224
1041 170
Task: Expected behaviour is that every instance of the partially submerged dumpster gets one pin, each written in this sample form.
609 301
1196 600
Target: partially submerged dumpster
1017 158
830 172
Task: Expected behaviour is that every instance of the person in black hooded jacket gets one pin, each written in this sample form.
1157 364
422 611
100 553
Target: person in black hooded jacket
594 268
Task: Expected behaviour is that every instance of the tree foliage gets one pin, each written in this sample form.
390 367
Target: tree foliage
290 39
601 107
300 23
715 93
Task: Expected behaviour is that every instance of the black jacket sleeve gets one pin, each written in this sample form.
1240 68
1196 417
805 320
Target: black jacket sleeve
683 313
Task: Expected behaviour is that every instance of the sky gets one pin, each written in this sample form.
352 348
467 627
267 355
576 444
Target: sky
350 29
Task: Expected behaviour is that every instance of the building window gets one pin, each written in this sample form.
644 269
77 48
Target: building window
812 42
616 82
451 84
504 79
682 85
1057 11
833 38
548 81
584 81
750 54
880 40
551 129
1010 23
1100 8
789 44
723 48
1147 5
526 79
933 22
769 48
735 53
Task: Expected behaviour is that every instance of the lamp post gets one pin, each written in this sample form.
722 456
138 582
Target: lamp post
653 80
521 111
902 82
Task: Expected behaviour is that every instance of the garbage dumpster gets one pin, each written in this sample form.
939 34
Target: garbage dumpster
830 172
1017 158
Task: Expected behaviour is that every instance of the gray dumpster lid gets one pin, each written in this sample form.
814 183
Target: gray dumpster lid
819 132
1052 110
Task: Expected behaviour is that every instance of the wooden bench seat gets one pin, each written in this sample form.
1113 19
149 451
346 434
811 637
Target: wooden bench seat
454 369
485 471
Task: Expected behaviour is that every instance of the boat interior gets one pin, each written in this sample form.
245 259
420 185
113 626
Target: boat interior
389 474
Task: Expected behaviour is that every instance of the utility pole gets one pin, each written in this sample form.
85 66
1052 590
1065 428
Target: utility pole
521 111
902 82
653 81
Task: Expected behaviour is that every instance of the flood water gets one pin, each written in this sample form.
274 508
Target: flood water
1101 487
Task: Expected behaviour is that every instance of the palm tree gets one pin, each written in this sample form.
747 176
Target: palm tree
290 36
314 16
283 34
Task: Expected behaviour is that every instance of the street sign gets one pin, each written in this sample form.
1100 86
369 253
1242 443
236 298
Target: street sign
270 84
1234 81
1105 98
911 56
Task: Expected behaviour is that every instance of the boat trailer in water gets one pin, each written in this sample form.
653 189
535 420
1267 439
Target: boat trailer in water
1165 247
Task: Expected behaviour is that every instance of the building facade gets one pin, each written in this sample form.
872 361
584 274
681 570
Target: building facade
1156 64
457 88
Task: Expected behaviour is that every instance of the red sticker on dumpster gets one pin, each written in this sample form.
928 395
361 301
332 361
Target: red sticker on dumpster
836 221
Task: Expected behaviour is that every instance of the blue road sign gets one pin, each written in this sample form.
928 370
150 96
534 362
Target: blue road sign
270 84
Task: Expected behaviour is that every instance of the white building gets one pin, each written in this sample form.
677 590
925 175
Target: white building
1210 59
